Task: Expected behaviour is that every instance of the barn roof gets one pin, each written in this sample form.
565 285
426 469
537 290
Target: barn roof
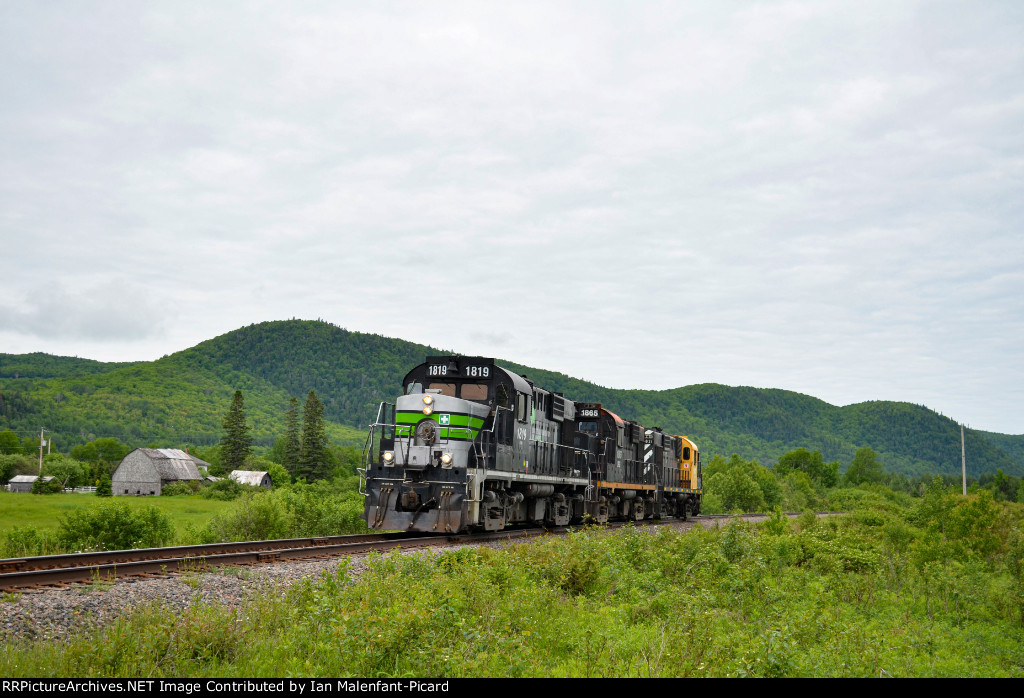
248 477
172 463
29 478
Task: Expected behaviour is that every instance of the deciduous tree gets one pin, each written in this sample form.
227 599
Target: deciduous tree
9 442
865 467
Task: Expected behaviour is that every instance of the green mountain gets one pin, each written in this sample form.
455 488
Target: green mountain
182 398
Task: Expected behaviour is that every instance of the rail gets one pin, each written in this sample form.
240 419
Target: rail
56 570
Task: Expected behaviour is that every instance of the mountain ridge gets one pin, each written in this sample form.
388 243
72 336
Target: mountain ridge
181 398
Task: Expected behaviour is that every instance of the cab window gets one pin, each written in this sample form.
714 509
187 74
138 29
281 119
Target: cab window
522 407
501 396
473 391
445 388
686 453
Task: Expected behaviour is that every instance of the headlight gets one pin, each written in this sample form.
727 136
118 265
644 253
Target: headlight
446 458
427 400
427 410
388 457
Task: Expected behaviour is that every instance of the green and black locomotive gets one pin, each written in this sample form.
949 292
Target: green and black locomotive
472 446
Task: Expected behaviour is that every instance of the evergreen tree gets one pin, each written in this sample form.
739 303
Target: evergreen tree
313 456
292 444
105 487
236 444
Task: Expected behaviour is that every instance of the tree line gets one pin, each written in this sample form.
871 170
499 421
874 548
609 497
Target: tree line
304 452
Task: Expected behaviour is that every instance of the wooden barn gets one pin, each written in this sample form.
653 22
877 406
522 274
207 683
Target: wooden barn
256 478
145 471
23 483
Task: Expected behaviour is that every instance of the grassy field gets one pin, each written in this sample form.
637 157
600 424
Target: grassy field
896 587
42 511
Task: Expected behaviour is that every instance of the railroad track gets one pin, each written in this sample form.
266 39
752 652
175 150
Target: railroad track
60 570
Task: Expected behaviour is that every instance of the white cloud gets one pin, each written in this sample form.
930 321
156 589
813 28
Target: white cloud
111 311
801 195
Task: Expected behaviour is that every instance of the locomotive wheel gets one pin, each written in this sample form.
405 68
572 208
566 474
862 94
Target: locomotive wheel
687 510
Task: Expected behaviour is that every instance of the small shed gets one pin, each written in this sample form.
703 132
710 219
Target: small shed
23 483
145 471
256 478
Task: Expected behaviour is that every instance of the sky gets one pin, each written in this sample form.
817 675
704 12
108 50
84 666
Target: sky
823 197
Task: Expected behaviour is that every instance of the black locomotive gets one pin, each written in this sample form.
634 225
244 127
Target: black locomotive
472 446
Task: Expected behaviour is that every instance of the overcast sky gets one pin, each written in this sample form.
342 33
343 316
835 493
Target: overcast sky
824 197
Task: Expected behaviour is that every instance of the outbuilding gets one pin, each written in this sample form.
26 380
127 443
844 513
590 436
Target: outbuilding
23 483
255 478
145 471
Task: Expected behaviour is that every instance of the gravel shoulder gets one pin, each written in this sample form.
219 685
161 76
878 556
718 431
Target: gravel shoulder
57 613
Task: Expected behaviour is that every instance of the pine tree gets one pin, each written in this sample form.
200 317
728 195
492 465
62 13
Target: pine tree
313 457
236 444
292 444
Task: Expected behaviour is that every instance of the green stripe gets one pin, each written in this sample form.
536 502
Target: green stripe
457 420
454 435
468 425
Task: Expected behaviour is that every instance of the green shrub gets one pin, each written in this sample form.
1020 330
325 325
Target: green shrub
180 488
25 542
807 520
777 523
41 486
735 540
259 516
105 487
224 490
114 525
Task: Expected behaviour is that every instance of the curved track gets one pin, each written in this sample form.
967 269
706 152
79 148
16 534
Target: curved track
56 570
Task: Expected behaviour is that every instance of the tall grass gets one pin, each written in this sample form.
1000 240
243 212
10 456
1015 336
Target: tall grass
879 591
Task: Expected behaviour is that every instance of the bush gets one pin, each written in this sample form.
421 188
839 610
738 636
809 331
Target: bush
41 486
260 516
24 542
777 524
324 508
224 490
114 525
181 487
105 487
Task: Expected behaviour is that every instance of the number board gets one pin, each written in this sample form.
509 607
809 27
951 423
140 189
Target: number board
589 413
459 367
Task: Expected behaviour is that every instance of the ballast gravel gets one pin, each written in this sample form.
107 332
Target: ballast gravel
56 613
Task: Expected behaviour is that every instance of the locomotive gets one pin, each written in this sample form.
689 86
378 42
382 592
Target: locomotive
472 446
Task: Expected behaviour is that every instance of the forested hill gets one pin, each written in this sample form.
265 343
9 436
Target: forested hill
182 398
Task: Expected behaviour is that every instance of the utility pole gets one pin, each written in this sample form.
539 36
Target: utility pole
963 459
41 442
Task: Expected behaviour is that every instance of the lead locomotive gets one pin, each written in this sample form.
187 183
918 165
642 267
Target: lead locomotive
473 446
